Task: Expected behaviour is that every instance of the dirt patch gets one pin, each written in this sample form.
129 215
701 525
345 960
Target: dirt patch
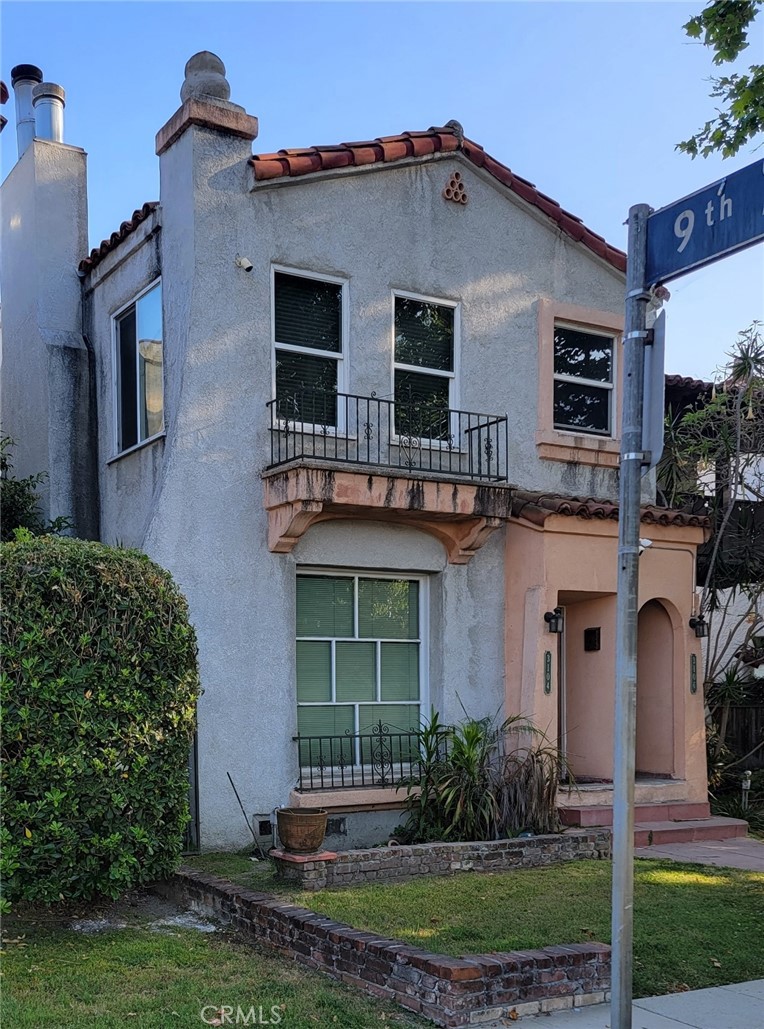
135 910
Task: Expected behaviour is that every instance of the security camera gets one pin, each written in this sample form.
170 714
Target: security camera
644 544
244 263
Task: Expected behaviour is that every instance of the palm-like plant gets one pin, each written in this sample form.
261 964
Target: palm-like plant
482 780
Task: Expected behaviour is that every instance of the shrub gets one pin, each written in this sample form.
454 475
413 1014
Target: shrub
731 806
481 780
99 687
19 500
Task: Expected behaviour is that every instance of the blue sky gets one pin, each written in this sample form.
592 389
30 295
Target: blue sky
586 100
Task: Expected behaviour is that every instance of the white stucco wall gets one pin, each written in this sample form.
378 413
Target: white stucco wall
45 396
128 483
194 501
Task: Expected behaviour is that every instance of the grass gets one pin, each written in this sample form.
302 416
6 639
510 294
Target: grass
242 870
694 926
136 977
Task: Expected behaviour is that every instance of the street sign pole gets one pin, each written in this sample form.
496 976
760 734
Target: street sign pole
705 226
632 457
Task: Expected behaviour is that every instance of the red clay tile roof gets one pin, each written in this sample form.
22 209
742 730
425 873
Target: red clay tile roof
449 139
537 507
686 382
107 245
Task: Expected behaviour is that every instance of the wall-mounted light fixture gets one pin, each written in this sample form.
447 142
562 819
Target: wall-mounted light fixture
699 626
555 620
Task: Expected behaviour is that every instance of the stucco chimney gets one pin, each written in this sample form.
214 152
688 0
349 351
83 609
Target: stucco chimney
24 77
48 100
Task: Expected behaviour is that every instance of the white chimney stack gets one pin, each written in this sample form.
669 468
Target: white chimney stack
24 77
48 100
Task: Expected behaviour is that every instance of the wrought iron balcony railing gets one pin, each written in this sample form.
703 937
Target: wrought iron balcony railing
380 755
417 435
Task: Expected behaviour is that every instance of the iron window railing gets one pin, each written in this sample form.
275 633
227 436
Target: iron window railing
416 435
379 755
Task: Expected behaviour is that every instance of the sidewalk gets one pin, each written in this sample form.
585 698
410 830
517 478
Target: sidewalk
742 852
739 1006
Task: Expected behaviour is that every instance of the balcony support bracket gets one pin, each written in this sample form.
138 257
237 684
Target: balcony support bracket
462 516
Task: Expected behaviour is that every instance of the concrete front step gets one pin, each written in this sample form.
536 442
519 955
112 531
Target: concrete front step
602 814
648 834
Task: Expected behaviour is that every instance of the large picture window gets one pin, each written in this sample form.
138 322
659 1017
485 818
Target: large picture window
359 641
583 380
139 371
308 335
425 333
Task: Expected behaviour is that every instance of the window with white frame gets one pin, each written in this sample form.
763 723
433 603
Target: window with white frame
584 396
308 337
425 377
359 656
139 370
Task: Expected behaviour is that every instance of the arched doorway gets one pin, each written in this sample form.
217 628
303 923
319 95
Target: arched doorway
655 692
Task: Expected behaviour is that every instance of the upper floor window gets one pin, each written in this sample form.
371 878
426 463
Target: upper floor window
425 359
583 380
139 372
309 344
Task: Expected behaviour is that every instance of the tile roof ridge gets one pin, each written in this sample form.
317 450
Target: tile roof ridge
97 254
448 138
536 506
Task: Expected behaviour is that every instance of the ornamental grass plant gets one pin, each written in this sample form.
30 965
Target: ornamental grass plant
481 780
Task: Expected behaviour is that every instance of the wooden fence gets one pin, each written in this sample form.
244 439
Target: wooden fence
744 730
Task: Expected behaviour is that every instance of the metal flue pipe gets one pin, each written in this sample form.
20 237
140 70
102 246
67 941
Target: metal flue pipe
24 77
48 99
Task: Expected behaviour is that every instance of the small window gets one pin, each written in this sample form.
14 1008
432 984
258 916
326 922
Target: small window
424 367
309 348
358 658
583 381
139 370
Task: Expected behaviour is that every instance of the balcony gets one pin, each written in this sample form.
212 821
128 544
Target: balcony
415 437
337 455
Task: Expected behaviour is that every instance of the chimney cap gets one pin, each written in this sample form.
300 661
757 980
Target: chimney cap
25 72
48 89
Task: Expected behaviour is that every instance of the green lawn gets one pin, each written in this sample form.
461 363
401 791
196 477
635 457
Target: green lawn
242 870
694 926
136 977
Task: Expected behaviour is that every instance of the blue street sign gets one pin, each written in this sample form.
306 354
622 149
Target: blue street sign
717 220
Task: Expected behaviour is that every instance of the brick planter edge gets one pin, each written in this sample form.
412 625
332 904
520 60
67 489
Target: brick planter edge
450 991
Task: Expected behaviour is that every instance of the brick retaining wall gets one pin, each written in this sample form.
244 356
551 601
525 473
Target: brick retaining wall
450 991
397 864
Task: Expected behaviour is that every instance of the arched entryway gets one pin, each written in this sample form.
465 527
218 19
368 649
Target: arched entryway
655 692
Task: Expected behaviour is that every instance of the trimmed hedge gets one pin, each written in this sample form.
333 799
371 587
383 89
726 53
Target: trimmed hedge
99 686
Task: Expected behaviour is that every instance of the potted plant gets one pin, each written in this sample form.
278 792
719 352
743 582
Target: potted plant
301 829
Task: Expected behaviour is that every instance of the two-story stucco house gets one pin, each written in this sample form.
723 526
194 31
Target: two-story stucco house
358 400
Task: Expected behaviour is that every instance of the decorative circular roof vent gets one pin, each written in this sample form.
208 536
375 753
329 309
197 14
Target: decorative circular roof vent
455 190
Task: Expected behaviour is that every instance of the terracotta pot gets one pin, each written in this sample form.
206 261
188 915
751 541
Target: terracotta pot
301 829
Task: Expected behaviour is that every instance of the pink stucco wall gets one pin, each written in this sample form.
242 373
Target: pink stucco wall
655 708
572 562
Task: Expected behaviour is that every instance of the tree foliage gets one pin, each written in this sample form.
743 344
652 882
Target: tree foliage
98 688
714 464
724 26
